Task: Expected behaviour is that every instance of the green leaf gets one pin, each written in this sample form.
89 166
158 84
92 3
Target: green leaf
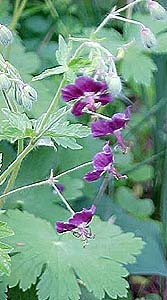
132 66
62 53
5 260
142 208
50 72
53 118
148 230
15 126
40 200
72 187
26 62
89 296
143 173
99 265
65 134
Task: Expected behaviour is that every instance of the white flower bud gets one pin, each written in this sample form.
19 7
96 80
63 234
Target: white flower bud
25 94
114 84
147 37
30 92
4 82
156 10
6 36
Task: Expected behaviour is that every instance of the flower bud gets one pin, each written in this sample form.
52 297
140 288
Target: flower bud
29 92
6 36
147 37
4 82
114 84
156 10
25 94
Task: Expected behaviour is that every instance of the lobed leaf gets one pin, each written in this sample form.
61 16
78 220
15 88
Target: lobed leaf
15 126
99 266
5 260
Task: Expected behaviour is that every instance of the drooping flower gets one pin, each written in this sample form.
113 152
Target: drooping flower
102 163
78 224
88 93
112 126
156 10
147 37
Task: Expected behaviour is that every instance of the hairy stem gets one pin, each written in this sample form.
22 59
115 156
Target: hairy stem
127 20
52 106
51 181
17 161
13 175
45 181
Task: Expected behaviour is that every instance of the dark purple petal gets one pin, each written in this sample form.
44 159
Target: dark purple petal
117 122
101 128
88 84
63 227
71 92
84 216
104 98
77 108
102 160
94 175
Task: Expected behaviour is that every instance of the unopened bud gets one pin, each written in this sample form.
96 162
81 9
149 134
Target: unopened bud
29 92
114 84
156 10
25 95
147 37
6 36
120 53
4 82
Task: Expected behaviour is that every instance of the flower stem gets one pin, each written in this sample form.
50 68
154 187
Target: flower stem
126 20
97 115
15 162
103 23
14 173
128 6
52 105
110 15
17 13
102 189
73 169
45 181
51 181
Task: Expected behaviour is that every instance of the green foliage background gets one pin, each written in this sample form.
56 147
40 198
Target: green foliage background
138 204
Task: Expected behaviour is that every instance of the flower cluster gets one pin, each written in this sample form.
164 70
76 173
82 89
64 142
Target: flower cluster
86 96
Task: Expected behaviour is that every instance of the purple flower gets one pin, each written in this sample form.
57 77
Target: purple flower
103 162
78 223
112 126
88 93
